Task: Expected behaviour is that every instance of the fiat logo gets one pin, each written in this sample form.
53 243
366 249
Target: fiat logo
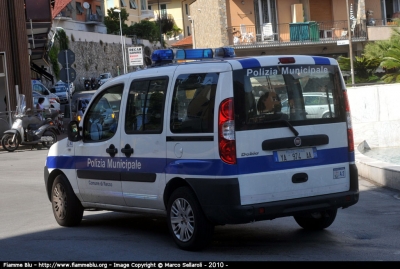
297 141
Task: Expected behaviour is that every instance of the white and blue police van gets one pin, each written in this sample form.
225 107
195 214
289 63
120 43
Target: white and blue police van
203 140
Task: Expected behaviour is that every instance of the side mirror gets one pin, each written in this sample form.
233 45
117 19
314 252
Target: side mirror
73 131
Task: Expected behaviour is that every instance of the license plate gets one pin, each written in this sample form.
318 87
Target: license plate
295 154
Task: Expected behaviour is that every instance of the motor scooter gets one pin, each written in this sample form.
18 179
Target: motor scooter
87 84
28 129
93 83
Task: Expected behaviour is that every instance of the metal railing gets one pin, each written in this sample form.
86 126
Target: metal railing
93 18
296 33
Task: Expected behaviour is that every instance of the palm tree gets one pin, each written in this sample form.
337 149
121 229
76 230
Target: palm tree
387 52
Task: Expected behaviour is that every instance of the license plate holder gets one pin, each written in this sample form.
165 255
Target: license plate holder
295 154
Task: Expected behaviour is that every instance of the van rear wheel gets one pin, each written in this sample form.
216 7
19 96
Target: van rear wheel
187 223
316 220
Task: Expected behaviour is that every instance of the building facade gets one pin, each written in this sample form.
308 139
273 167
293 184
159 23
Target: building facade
319 27
23 43
138 10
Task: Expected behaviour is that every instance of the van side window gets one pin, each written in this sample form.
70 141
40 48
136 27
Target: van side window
145 106
38 88
193 103
101 121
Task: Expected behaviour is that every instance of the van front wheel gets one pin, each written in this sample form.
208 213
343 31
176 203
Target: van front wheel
67 208
187 224
316 220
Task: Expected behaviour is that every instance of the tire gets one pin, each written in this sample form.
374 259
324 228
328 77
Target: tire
67 208
316 220
53 135
6 142
327 115
186 221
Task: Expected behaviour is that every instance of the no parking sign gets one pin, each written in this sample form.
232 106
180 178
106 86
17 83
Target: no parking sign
135 56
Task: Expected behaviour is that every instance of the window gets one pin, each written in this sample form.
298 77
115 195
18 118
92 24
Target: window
188 30
101 121
187 9
163 11
145 106
193 103
265 12
132 4
143 4
269 96
79 8
98 11
122 3
69 7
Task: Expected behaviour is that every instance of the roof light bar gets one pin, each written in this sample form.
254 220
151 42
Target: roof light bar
194 54
225 52
162 56
165 56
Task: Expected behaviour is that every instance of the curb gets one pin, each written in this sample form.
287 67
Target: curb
382 173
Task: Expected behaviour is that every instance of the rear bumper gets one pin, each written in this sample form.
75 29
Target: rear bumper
220 201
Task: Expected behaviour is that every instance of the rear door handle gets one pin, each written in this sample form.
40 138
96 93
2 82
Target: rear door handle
112 150
127 150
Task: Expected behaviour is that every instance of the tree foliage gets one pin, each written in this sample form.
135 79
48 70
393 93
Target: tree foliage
61 42
387 52
112 22
364 67
62 39
167 24
145 30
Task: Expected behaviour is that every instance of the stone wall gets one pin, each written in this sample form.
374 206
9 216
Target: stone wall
97 53
212 16
375 114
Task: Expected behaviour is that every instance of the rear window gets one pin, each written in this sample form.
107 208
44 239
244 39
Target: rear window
301 94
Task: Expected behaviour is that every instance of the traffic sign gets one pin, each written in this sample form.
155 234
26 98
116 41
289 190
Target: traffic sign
67 73
65 56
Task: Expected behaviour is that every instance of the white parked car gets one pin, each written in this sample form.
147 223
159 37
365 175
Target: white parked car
47 102
316 105
104 77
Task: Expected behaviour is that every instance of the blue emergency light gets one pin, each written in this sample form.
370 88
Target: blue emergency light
225 52
194 54
160 57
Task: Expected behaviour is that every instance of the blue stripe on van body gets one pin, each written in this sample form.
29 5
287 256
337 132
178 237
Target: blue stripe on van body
249 63
321 60
248 165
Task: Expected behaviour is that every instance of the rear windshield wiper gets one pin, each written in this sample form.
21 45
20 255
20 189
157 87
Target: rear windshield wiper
294 131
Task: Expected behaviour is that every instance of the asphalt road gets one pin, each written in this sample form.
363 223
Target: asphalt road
367 231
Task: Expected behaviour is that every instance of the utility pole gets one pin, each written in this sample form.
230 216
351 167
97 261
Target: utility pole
159 23
350 43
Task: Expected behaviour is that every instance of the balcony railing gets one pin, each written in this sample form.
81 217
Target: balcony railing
295 33
93 18
147 14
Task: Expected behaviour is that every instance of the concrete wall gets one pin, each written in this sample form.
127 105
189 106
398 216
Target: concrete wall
375 114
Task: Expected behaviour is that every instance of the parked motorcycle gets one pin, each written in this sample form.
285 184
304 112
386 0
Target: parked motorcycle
93 83
28 129
87 84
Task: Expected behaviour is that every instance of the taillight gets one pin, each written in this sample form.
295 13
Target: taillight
349 125
226 132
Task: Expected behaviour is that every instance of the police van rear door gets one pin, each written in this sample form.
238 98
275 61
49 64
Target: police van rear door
283 151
